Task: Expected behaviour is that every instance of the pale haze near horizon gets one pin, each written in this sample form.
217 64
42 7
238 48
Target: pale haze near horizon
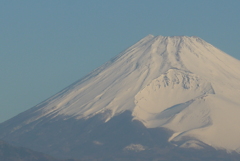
47 45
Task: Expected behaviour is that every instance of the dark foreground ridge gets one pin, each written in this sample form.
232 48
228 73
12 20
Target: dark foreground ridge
118 139
11 153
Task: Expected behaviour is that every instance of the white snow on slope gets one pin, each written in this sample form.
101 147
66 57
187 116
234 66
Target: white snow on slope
221 129
181 83
168 95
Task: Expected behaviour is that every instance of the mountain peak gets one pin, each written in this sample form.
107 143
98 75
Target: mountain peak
182 37
172 41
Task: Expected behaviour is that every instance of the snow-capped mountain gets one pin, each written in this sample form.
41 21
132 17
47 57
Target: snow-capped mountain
182 84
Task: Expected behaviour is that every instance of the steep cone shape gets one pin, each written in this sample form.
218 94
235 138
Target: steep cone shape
180 83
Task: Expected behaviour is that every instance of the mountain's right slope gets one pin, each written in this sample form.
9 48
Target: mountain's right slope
198 100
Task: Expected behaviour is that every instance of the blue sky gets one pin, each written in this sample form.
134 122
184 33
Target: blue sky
47 45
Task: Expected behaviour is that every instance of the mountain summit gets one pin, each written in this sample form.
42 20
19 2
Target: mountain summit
182 84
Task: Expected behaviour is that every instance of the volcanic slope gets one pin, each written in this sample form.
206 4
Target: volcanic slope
180 83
